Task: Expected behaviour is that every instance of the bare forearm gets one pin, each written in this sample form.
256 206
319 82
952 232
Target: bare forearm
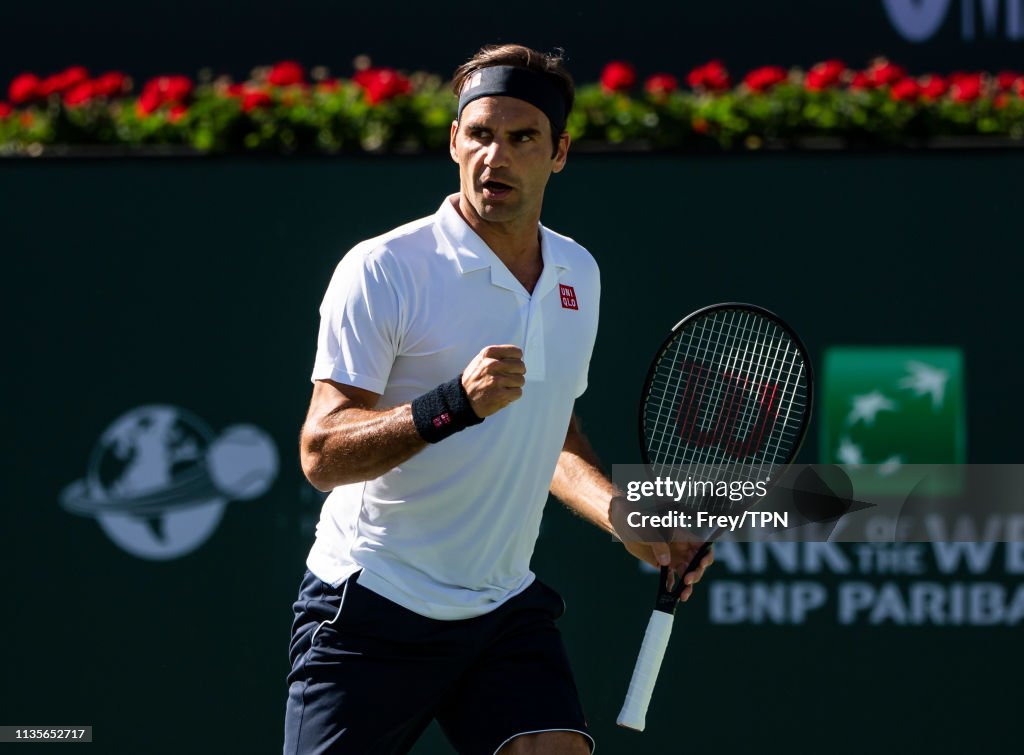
579 482
353 445
582 486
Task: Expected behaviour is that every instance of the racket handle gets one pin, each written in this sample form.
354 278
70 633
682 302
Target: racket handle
634 710
698 557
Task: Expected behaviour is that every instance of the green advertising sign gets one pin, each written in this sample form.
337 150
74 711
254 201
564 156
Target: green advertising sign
887 407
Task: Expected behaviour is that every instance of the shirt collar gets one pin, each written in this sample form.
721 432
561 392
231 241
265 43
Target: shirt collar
472 252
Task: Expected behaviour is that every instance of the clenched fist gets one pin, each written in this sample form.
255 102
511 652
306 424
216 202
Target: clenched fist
494 379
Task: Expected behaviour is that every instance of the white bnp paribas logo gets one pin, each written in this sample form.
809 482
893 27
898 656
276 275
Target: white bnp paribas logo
159 477
919 20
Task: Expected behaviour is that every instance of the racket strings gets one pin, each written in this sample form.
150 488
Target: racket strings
670 447
670 378
718 374
666 449
728 396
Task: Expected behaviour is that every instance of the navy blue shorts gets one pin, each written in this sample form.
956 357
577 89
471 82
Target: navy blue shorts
370 677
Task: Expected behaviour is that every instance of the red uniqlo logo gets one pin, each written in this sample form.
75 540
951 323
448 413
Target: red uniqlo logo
568 297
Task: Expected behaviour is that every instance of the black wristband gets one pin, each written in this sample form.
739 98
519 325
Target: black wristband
443 411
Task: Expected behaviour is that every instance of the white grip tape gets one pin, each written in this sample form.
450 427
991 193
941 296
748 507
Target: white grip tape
634 711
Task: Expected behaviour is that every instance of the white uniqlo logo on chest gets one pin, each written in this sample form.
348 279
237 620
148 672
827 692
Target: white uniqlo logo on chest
568 297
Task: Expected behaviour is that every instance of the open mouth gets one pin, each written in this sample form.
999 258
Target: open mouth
496 189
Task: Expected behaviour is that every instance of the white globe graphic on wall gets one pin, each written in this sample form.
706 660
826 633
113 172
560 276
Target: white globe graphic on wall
159 478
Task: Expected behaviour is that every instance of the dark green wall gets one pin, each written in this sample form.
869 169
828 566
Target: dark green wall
196 283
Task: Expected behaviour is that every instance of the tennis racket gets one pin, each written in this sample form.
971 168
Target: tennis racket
730 389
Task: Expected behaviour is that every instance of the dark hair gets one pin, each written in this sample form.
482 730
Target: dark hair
549 64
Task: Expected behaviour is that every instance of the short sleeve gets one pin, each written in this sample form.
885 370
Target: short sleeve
594 313
358 338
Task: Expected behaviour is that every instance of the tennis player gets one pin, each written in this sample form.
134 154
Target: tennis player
450 353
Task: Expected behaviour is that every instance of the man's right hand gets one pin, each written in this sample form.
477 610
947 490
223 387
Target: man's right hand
494 379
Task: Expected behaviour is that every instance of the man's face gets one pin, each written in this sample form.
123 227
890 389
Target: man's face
503 148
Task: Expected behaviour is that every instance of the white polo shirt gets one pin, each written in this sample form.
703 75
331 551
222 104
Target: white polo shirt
449 533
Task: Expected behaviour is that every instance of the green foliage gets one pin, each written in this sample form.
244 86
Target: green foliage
348 117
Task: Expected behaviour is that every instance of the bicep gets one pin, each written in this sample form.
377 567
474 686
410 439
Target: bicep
329 445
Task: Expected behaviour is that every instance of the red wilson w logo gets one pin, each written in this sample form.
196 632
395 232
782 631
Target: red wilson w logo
729 410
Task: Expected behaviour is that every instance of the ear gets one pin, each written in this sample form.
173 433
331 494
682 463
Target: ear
451 141
561 153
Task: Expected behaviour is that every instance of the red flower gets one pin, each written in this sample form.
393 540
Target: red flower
382 84
5 110
170 88
163 90
1002 100
618 76
286 73
824 75
49 85
110 84
661 84
933 86
178 88
861 81
176 113
74 75
254 98
24 88
80 94
148 102
1020 87
762 79
236 90
966 87
884 73
1006 79
63 81
328 85
711 76
904 89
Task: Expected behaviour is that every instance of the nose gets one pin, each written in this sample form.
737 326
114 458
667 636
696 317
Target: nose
496 155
